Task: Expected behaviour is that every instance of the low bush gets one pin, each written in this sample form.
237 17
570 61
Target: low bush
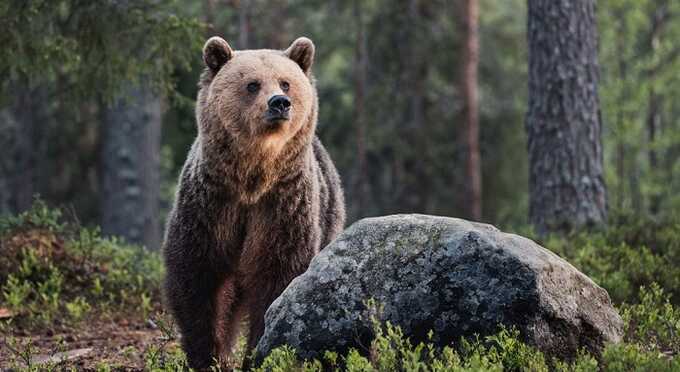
54 271
631 253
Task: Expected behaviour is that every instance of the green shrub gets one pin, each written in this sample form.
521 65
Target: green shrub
54 271
40 215
629 254
632 357
15 292
654 323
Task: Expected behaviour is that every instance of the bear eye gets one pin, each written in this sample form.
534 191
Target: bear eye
253 87
285 86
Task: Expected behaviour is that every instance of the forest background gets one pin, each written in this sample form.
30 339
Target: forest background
97 103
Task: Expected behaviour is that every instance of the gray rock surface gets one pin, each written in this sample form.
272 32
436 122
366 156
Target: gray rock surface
448 275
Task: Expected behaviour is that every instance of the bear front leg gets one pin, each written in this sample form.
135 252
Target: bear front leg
229 312
190 294
257 306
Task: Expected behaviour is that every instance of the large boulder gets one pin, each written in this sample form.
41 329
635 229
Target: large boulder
451 276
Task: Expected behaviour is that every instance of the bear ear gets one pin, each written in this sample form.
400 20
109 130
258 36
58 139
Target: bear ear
216 53
302 52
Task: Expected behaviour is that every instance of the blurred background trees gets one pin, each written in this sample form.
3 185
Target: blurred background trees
470 109
88 88
82 85
640 56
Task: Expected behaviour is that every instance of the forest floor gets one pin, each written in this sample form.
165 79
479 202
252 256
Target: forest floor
94 344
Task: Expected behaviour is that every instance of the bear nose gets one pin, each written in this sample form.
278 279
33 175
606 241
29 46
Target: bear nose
279 102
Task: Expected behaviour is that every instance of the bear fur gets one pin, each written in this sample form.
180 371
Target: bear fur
256 200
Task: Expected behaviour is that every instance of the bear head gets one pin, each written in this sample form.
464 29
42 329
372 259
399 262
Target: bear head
258 101
256 112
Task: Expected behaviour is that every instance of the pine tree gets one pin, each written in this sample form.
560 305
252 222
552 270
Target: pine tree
563 122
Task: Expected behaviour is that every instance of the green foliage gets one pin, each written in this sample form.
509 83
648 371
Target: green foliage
630 253
632 357
639 90
40 215
97 47
279 360
51 268
654 323
514 354
78 308
157 359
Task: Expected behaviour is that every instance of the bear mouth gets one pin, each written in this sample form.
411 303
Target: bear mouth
276 117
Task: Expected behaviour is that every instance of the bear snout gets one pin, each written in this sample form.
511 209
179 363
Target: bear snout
278 108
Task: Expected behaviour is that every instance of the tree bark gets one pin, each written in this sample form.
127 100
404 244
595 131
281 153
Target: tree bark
360 185
130 165
563 121
244 24
659 17
470 132
209 7
653 125
278 37
621 114
11 140
21 122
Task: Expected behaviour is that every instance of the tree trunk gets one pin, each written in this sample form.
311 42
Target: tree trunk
360 185
470 132
209 8
563 121
279 37
244 24
130 165
621 114
21 122
659 17
653 124
10 140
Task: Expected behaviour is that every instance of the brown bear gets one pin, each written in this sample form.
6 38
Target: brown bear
258 196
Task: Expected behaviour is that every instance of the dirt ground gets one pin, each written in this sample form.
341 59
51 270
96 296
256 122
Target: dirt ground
119 344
